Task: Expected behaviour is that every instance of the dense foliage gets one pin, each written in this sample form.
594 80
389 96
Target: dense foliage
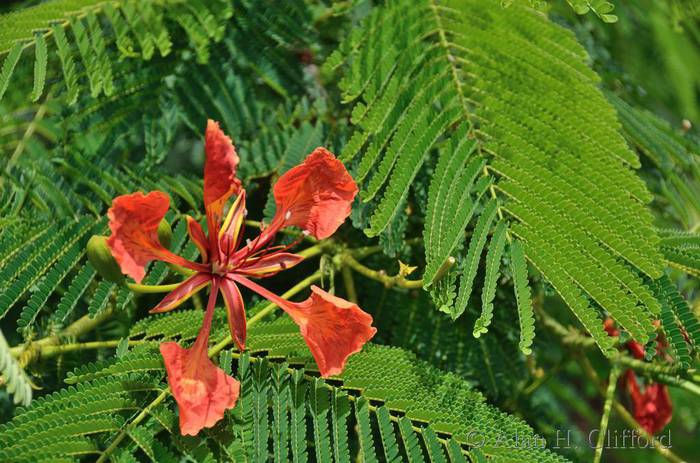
525 234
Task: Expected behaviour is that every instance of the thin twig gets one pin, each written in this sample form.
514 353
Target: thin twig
27 353
624 414
349 284
607 408
380 275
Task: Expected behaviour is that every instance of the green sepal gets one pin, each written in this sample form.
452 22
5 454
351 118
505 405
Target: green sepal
100 256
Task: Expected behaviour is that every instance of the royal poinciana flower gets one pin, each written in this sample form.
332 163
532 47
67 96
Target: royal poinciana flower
651 406
315 196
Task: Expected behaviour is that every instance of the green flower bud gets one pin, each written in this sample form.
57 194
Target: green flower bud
100 256
165 233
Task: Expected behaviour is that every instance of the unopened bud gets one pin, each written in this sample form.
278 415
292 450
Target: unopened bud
686 125
165 233
100 256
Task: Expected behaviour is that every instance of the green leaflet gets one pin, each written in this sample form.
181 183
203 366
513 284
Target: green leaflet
14 377
493 264
367 448
67 63
409 162
410 441
124 41
297 412
8 67
676 315
102 59
340 408
40 58
471 261
681 250
386 431
522 296
320 406
434 448
48 285
450 204
280 420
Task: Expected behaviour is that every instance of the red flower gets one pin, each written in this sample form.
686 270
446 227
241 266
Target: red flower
315 196
652 408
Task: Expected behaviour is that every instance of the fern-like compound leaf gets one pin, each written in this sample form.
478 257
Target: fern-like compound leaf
571 198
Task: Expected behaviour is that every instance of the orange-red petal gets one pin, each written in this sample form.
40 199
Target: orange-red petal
236 312
194 229
133 220
187 289
316 195
270 264
202 390
220 167
220 180
332 327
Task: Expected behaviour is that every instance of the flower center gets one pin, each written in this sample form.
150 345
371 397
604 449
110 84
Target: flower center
218 269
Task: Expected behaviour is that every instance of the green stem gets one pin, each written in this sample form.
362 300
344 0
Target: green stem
147 289
311 251
381 276
53 351
181 270
140 417
29 352
361 253
607 408
349 284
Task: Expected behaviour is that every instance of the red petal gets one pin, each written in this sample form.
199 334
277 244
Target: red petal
636 349
202 390
133 220
652 408
194 229
609 327
220 180
269 265
236 312
183 292
316 195
332 327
